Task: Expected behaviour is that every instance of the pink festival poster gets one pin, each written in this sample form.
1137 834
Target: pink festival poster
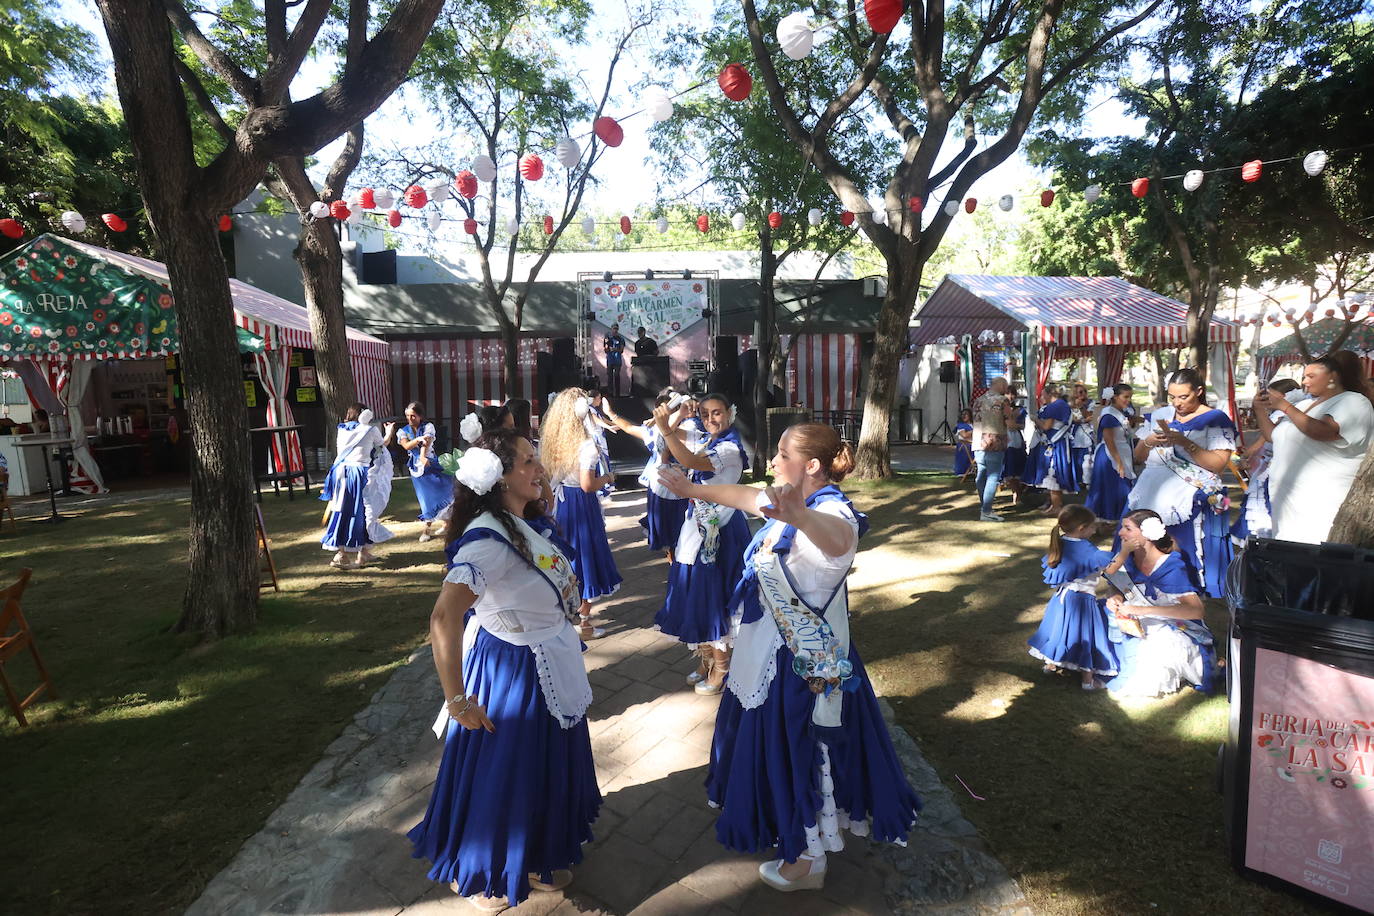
1312 778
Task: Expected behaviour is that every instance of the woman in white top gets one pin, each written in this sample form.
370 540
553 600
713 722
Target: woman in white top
664 513
516 791
347 532
1317 453
801 750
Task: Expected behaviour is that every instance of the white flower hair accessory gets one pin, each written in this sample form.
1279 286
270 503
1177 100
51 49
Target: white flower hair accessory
582 407
1153 529
479 469
470 428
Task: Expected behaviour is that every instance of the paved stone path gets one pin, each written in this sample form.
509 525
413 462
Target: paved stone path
337 845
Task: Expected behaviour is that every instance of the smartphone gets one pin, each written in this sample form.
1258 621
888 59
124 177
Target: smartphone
1163 425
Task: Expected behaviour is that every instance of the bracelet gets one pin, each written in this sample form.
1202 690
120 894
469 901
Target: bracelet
467 704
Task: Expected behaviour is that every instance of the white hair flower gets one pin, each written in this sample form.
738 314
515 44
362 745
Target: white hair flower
582 407
479 469
1153 529
470 428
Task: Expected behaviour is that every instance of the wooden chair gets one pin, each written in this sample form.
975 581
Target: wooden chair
268 566
15 636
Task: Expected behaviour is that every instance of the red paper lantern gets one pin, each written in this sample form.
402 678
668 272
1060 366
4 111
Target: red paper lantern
393 218
416 197
883 15
916 204
1046 197
339 210
531 167
114 222
466 183
470 226
11 228
704 223
846 218
225 223
735 82
624 225
775 219
548 225
609 131
970 204
1252 170
1140 187
367 199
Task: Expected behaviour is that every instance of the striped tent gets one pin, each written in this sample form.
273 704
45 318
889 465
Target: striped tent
449 374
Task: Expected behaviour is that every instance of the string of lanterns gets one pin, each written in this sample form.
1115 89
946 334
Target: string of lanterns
1348 309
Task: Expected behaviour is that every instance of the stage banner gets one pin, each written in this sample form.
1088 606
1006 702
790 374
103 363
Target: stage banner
664 308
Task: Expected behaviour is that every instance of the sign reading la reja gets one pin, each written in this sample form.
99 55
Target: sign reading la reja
664 308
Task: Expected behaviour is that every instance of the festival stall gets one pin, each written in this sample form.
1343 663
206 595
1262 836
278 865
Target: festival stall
1319 337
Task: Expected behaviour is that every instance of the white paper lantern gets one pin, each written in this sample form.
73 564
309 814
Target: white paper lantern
1092 192
737 222
1006 202
433 220
951 207
1314 162
661 224
1357 299
319 209
813 216
438 191
795 35
657 103
879 208
484 168
355 215
589 226
513 226
383 198
73 221
1192 179
568 153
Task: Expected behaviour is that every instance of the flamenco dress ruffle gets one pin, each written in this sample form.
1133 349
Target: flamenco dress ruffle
781 782
696 609
517 800
347 528
1058 460
1109 491
584 527
662 521
1014 463
433 490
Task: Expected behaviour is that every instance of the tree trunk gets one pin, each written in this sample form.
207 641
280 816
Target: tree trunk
1354 522
510 360
321 262
763 342
873 458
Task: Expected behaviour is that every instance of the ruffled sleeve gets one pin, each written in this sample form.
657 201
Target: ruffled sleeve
480 563
587 456
1057 410
1108 420
727 462
1079 559
1221 433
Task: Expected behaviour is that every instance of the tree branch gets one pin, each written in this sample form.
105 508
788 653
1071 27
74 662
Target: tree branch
284 61
209 53
202 98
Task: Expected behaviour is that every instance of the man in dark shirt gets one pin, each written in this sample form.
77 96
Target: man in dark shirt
645 345
614 346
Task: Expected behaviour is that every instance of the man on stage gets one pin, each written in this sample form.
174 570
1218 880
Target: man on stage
614 346
645 345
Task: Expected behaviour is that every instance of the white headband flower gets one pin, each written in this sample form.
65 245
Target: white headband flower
470 428
1153 529
582 407
479 469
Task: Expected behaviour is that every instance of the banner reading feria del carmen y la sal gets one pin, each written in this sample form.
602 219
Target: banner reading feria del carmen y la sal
664 308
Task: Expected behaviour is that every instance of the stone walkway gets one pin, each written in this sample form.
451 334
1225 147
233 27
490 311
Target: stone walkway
337 845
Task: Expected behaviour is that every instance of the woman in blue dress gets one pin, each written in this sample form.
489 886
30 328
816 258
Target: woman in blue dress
800 751
1114 461
963 443
516 791
1167 646
433 488
664 513
1185 454
709 558
577 472
345 489
1051 461
1074 633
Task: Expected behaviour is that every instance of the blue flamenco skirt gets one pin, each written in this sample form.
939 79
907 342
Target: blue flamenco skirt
1206 566
696 609
1075 634
1057 459
1014 463
765 770
1109 491
579 517
517 800
662 521
434 490
347 528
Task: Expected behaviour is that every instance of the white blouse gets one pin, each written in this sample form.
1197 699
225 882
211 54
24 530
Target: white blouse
814 573
511 597
1308 479
588 457
727 462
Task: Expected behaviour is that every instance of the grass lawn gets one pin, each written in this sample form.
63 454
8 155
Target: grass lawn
1093 806
160 758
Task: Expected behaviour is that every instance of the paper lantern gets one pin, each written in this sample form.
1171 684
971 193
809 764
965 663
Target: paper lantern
813 216
951 207
661 224
483 167
657 104
704 223
416 197
72 221
339 210
393 218
470 226
970 204
355 216
13 230
366 199
548 225
795 36
1330 313
434 220
625 225
735 82
1006 202
775 220
589 226
318 209
846 218
737 222
225 223
1140 187
1192 179
1252 170
531 167
438 191
1314 162
466 183
1046 197
916 204
609 131
1092 192
384 199
512 226
883 15
113 221
568 153
877 210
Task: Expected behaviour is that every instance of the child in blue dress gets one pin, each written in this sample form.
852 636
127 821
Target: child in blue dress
1113 465
1075 633
345 489
433 488
963 443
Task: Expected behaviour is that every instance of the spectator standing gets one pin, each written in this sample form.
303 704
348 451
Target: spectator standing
991 414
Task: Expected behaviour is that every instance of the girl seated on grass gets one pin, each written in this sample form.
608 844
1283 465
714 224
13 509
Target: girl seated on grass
1075 633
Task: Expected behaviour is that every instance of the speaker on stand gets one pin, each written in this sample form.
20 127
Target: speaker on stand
725 377
949 375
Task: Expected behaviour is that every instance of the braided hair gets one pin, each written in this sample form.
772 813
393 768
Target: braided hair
468 504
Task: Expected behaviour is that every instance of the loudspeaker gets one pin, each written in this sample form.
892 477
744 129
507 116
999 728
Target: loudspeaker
949 372
725 379
648 376
563 365
543 378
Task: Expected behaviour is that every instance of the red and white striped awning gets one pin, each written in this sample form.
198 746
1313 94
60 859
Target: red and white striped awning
447 375
1067 312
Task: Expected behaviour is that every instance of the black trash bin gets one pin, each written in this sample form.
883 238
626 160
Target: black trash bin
1298 766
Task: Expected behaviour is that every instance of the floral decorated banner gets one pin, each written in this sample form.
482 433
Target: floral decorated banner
664 308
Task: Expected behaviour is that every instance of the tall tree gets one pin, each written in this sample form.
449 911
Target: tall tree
184 199
994 64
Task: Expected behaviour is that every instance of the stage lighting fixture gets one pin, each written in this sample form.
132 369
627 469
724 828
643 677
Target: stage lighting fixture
648 273
686 275
705 313
606 276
